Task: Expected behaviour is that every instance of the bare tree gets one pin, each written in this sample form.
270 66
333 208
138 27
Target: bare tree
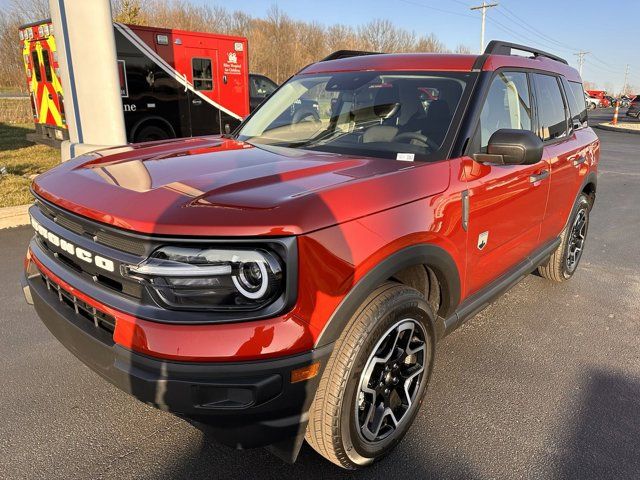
279 45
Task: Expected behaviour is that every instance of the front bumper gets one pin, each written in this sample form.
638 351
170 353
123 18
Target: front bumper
247 404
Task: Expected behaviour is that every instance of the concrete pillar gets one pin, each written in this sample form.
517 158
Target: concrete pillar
90 82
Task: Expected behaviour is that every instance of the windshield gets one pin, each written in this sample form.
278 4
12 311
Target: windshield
403 116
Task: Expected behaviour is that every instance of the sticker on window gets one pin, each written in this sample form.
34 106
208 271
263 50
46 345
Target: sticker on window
405 157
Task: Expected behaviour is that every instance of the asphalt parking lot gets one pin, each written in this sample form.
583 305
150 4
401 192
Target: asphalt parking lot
545 383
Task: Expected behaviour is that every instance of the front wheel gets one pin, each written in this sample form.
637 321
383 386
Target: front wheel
565 259
375 380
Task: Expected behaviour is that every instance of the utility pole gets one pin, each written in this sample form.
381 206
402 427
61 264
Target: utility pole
484 8
626 77
580 56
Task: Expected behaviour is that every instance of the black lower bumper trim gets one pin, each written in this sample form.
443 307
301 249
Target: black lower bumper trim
248 404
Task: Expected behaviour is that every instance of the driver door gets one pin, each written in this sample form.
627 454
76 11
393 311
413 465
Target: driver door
506 202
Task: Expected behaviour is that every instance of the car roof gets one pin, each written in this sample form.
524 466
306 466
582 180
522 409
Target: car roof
417 62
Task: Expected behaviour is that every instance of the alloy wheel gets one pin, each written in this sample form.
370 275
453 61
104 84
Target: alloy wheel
576 239
391 380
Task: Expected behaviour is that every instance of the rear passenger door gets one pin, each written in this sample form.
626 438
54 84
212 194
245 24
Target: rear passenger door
562 151
506 202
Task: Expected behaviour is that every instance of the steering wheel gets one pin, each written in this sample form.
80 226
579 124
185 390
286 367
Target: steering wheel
304 116
408 136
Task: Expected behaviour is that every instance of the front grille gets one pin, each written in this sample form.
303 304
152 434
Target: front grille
98 318
92 230
128 245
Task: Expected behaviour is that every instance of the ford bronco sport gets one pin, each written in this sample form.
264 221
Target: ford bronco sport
292 280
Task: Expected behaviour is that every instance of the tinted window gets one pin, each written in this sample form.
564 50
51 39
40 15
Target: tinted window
577 103
551 111
202 78
36 65
262 87
47 65
507 105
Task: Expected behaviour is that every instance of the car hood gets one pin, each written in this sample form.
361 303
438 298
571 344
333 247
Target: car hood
221 187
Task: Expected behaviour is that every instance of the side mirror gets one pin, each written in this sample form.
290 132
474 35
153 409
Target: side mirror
512 147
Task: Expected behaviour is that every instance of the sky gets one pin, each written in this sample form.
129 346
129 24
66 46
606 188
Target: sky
562 27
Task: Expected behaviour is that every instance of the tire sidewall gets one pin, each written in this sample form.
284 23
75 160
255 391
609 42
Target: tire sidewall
415 308
581 203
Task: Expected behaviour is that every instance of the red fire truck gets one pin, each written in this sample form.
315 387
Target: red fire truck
600 95
173 83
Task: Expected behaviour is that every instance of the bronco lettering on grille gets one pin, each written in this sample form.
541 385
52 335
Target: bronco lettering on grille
71 249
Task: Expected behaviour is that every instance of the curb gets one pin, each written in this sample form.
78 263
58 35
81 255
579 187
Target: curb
616 129
14 216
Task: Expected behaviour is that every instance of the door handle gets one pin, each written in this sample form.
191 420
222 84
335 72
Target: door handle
539 176
196 101
579 161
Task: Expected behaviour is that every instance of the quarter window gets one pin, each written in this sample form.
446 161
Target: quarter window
507 105
202 77
551 109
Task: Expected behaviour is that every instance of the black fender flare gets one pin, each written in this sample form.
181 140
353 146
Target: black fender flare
435 257
591 178
155 118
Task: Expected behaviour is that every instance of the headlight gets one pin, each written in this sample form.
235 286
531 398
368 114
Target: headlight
211 278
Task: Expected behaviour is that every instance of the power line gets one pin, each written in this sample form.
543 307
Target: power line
536 31
484 7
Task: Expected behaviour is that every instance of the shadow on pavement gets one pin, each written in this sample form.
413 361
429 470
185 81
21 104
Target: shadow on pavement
215 461
605 442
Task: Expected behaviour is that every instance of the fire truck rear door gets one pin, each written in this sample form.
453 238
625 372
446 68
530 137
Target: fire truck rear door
203 68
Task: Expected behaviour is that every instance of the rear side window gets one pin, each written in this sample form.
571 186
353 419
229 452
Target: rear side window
507 105
202 77
577 103
36 66
551 109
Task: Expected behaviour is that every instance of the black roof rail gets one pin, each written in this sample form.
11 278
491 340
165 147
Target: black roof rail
498 47
347 54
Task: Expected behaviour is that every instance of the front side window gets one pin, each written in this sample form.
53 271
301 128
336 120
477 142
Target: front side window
507 105
202 76
551 110
389 115
261 87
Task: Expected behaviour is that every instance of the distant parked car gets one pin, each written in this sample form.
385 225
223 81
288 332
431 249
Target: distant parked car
592 102
634 108
260 87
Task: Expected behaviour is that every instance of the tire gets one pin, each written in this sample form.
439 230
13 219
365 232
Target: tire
340 411
150 133
592 106
563 262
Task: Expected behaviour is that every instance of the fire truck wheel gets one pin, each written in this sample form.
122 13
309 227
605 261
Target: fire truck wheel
150 133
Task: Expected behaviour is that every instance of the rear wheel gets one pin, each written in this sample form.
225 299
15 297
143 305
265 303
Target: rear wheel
565 259
375 380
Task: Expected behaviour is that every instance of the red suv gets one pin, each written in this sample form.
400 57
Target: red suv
292 280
